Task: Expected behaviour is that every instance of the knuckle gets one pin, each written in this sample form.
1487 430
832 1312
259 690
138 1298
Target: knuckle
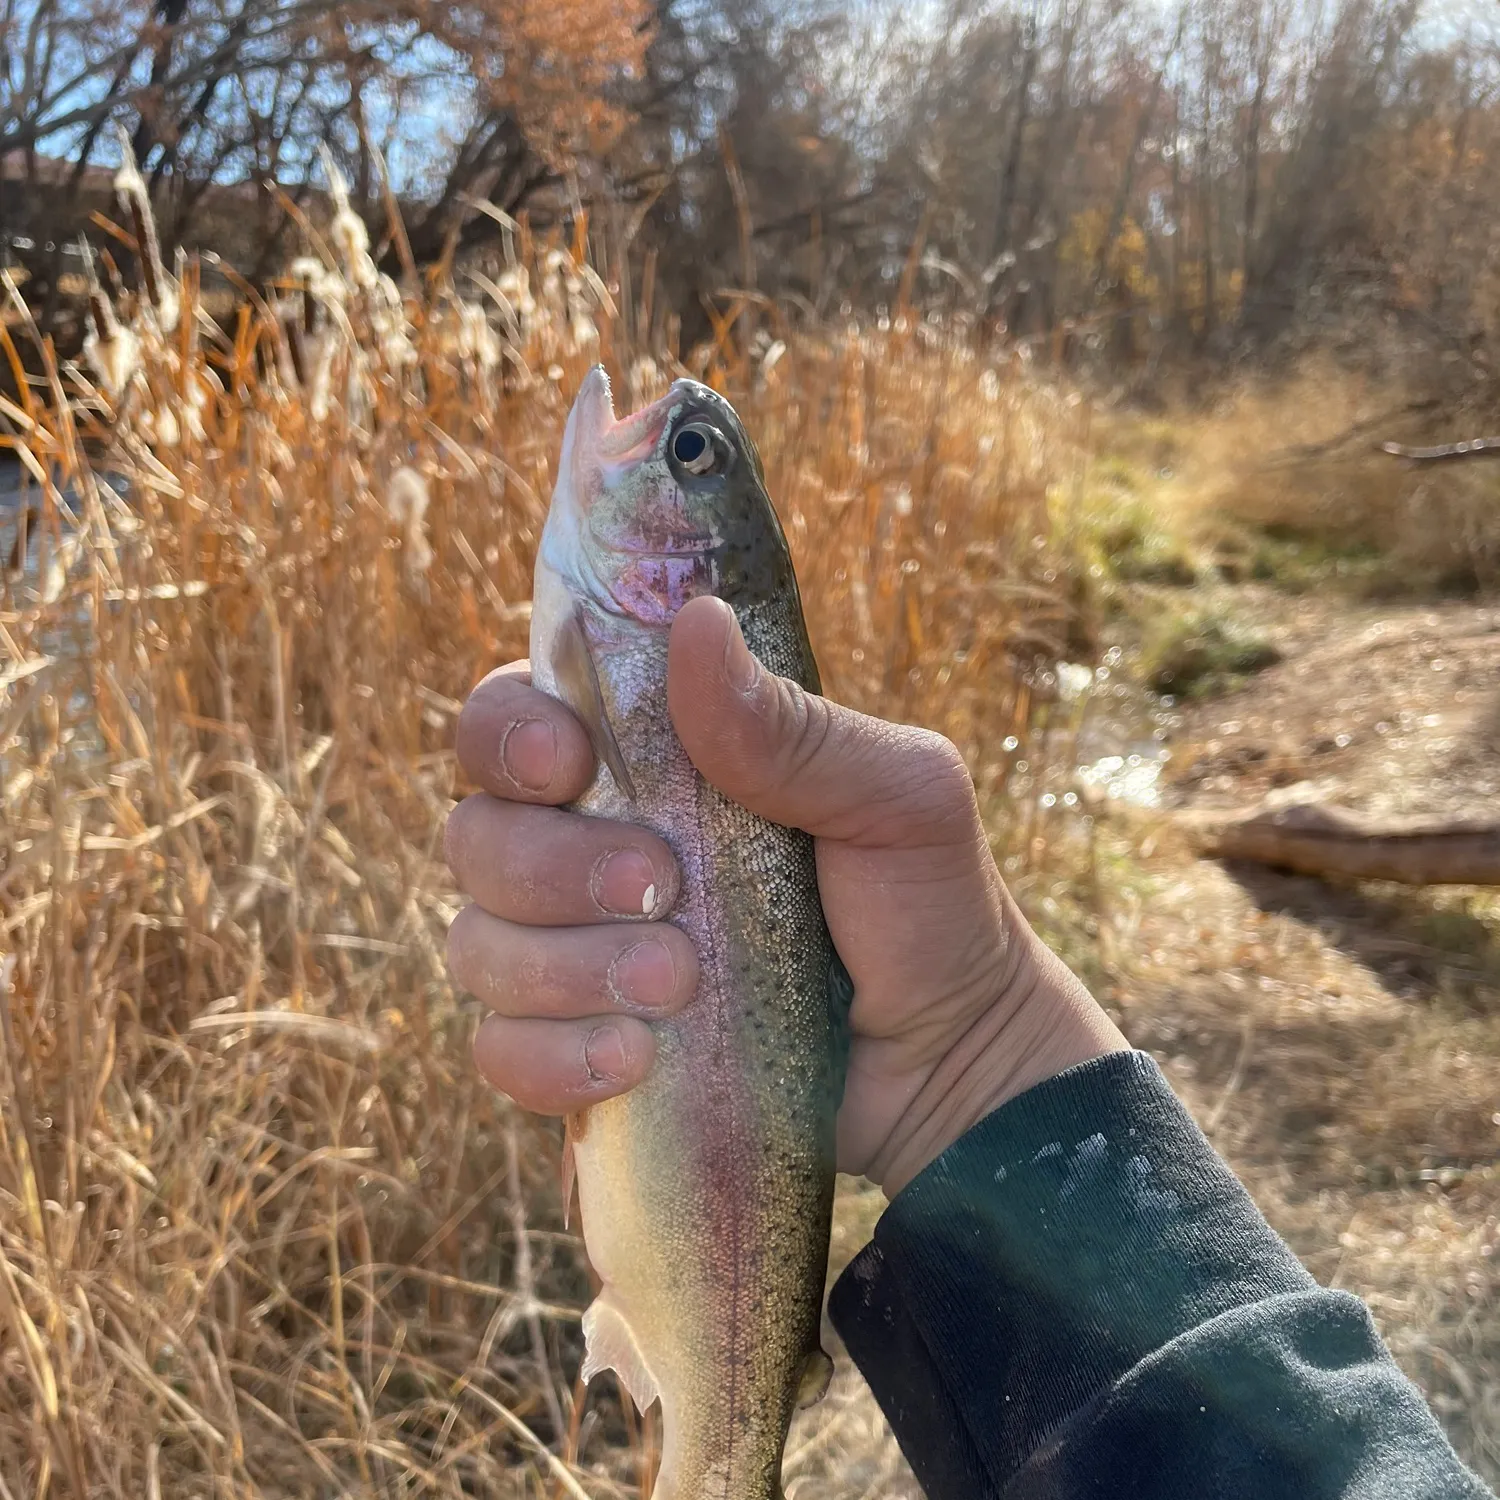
800 728
480 726
455 837
465 961
942 762
494 697
494 1065
929 797
528 973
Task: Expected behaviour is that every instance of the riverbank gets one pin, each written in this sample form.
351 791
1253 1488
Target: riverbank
1340 1045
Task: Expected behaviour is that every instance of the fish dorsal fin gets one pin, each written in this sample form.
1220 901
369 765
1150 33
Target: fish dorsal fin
817 1371
578 686
612 1346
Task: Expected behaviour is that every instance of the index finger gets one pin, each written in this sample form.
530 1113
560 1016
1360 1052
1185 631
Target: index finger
519 743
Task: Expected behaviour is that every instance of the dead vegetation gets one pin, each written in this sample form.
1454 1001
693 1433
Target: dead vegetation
1286 480
262 1232
1338 1038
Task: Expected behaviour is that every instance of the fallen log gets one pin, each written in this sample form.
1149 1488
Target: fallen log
1481 447
1311 839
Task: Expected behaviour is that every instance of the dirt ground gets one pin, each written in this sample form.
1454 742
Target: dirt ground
1341 1046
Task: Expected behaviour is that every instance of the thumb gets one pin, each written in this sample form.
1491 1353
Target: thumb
797 759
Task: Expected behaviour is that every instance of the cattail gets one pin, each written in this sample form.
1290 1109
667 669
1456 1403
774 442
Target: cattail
296 349
114 285
389 323
130 189
554 293
59 564
644 377
359 395
347 230
161 427
113 352
320 374
406 502
318 285
349 234
475 341
582 330
514 286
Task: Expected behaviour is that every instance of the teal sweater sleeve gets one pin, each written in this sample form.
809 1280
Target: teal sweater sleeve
1078 1298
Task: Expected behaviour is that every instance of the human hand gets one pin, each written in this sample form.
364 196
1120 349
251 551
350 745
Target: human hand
958 1006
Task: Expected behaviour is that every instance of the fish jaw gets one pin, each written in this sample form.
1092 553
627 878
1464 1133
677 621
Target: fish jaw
617 530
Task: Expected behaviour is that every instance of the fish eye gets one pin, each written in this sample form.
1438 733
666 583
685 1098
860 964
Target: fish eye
698 448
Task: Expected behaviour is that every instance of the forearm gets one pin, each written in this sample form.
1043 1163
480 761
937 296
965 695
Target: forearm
1079 1298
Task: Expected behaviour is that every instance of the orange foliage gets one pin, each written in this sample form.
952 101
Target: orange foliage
555 65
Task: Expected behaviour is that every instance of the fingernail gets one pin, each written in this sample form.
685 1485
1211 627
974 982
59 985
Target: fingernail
604 1054
644 976
529 753
740 666
625 884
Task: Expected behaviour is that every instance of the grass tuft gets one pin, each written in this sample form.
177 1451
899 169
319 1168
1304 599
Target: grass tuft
1201 652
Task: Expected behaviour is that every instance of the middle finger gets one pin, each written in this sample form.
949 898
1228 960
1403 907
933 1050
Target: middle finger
549 868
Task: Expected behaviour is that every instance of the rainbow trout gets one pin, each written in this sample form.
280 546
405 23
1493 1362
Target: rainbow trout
706 1192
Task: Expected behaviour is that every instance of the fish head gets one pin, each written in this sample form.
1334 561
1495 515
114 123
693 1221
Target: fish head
656 508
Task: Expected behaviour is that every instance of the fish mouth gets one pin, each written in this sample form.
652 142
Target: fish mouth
602 439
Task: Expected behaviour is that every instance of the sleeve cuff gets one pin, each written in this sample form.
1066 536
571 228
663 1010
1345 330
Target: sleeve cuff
1067 1236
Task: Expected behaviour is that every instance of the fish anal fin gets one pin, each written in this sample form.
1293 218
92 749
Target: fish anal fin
817 1372
575 1127
611 1345
578 686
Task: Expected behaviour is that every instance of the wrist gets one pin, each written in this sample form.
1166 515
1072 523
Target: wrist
1041 1022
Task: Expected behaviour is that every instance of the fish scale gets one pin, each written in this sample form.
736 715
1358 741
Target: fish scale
706 1192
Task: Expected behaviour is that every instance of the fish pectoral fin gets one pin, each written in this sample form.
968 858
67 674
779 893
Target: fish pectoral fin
575 1126
577 681
611 1345
817 1371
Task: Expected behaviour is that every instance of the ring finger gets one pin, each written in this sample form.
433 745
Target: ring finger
566 972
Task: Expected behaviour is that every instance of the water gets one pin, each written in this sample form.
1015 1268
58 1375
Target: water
1122 744
62 634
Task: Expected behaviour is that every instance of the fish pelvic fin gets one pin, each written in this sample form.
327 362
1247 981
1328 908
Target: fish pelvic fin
611 1345
817 1372
577 681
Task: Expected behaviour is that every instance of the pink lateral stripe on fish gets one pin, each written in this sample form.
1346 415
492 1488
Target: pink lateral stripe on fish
705 1193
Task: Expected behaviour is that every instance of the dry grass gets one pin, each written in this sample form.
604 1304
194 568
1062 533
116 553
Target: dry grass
1295 458
261 1231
